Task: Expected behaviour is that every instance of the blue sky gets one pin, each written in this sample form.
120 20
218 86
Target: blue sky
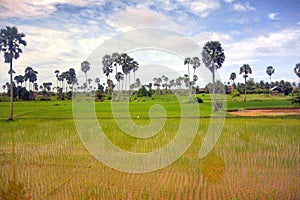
63 33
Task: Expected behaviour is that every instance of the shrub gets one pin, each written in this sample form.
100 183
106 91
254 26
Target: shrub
295 99
199 100
235 93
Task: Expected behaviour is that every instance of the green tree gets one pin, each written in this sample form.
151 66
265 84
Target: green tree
85 67
270 70
213 57
297 69
10 42
71 79
232 77
246 69
188 61
56 75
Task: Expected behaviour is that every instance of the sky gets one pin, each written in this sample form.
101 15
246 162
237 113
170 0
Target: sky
63 33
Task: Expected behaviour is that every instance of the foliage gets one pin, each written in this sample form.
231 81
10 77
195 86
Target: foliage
143 92
295 99
235 93
10 43
199 100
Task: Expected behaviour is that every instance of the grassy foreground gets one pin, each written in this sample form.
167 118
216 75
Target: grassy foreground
42 157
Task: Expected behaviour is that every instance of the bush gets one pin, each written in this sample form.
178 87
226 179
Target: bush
45 99
199 100
295 99
142 92
235 93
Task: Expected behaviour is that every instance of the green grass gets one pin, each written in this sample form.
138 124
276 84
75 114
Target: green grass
42 157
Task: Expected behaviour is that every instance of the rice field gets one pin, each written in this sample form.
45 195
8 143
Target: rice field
42 157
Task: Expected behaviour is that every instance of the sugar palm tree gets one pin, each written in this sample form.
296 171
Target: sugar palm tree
188 61
85 67
195 64
10 42
56 75
232 77
270 70
213 57
4 87
246 69
297 69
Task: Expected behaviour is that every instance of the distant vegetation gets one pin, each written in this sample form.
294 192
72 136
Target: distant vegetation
120 68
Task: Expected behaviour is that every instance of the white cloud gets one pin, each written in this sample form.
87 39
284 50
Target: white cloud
201 8
37 8
203 37
273 16
228 1
133 18
49 49
243 7
280 44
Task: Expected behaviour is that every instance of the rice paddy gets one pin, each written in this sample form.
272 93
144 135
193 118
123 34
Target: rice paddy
42 156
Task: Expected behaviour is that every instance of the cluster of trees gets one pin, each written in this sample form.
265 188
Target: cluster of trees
261 87
121 66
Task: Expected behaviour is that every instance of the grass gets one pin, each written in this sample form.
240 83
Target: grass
42 157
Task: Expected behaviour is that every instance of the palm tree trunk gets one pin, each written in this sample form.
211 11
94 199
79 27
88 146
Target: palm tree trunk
11 117
214 89
245 89
86 82
270 86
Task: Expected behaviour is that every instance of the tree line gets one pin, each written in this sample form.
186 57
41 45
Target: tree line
121 66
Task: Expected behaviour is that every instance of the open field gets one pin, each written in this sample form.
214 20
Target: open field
42 157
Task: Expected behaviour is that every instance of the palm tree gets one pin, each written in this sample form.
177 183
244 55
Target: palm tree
10 42
246 69
97 81
213 57
196 63
188 61
90 81
56 72
4 87
27 75
85 67
297 69
19 79
232 77
270 70
71 79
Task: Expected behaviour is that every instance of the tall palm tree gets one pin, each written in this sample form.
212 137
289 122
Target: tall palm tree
297 69
85 67
232 77
213 57
19 79
195 63
187 61
56 72
71 79
4 87
270 70
246 69
97 81
27 75
10 42
107 62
